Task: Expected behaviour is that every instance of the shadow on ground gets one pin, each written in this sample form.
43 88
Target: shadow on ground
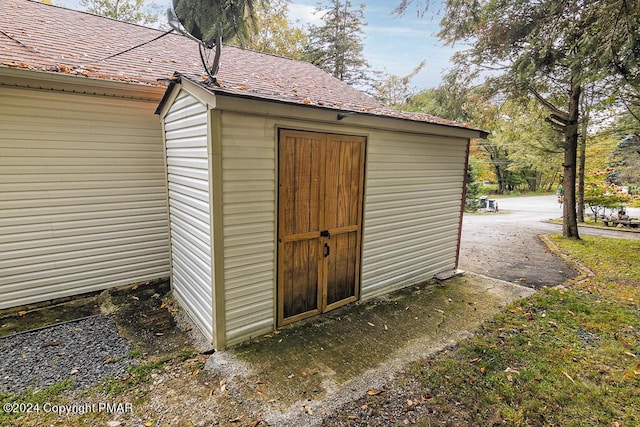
298 375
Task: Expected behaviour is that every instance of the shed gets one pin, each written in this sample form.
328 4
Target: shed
278 195
285 205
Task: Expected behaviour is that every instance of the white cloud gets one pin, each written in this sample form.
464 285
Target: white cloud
304 14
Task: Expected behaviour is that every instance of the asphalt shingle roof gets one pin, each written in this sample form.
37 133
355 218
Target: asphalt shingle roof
49 38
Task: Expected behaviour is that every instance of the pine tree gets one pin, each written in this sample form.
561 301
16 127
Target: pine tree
336 45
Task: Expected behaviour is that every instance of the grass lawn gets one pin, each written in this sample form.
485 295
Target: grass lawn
567 356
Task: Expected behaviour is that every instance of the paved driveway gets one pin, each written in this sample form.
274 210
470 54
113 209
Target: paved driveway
506 245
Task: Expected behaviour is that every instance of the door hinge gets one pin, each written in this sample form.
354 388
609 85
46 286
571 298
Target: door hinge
327 250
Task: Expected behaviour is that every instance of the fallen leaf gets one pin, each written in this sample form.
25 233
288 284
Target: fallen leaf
511 370
371 324
159 334
256 422
213 390
51 344
148 423
374 392
114 423
134 287
195 372
276 332
135 298
385 328
306 101
477 359
553 324
291 376
236 419
163 305
22 313
568 376
483 369
439 311
303 373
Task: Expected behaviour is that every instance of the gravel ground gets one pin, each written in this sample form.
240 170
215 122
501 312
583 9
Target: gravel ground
85 351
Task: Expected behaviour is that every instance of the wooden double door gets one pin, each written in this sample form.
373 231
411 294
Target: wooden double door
319 222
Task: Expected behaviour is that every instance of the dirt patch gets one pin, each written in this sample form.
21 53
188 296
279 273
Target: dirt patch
145 316
629 282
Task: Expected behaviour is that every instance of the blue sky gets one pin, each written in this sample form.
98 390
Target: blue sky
394 44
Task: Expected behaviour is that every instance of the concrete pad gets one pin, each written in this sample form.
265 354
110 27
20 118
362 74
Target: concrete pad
300 373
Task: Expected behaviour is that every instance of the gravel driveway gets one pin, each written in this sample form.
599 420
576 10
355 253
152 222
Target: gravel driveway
506 245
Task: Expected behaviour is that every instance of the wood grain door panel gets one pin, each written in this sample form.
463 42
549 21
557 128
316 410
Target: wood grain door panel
319 222
300 281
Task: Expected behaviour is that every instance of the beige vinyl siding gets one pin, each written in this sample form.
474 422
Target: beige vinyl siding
249 200
82 195
412 210
186 127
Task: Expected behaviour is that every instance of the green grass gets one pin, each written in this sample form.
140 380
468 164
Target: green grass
138 374
34 401
565 357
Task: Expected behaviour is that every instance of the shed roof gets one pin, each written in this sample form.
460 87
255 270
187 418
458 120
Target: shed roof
48 38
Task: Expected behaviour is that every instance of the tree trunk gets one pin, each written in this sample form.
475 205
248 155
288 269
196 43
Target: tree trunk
569 217
582 152
581 169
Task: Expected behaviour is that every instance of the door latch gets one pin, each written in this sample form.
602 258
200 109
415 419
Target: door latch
327 250
325 233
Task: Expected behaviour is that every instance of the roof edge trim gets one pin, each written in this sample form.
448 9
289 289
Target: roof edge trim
21 77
